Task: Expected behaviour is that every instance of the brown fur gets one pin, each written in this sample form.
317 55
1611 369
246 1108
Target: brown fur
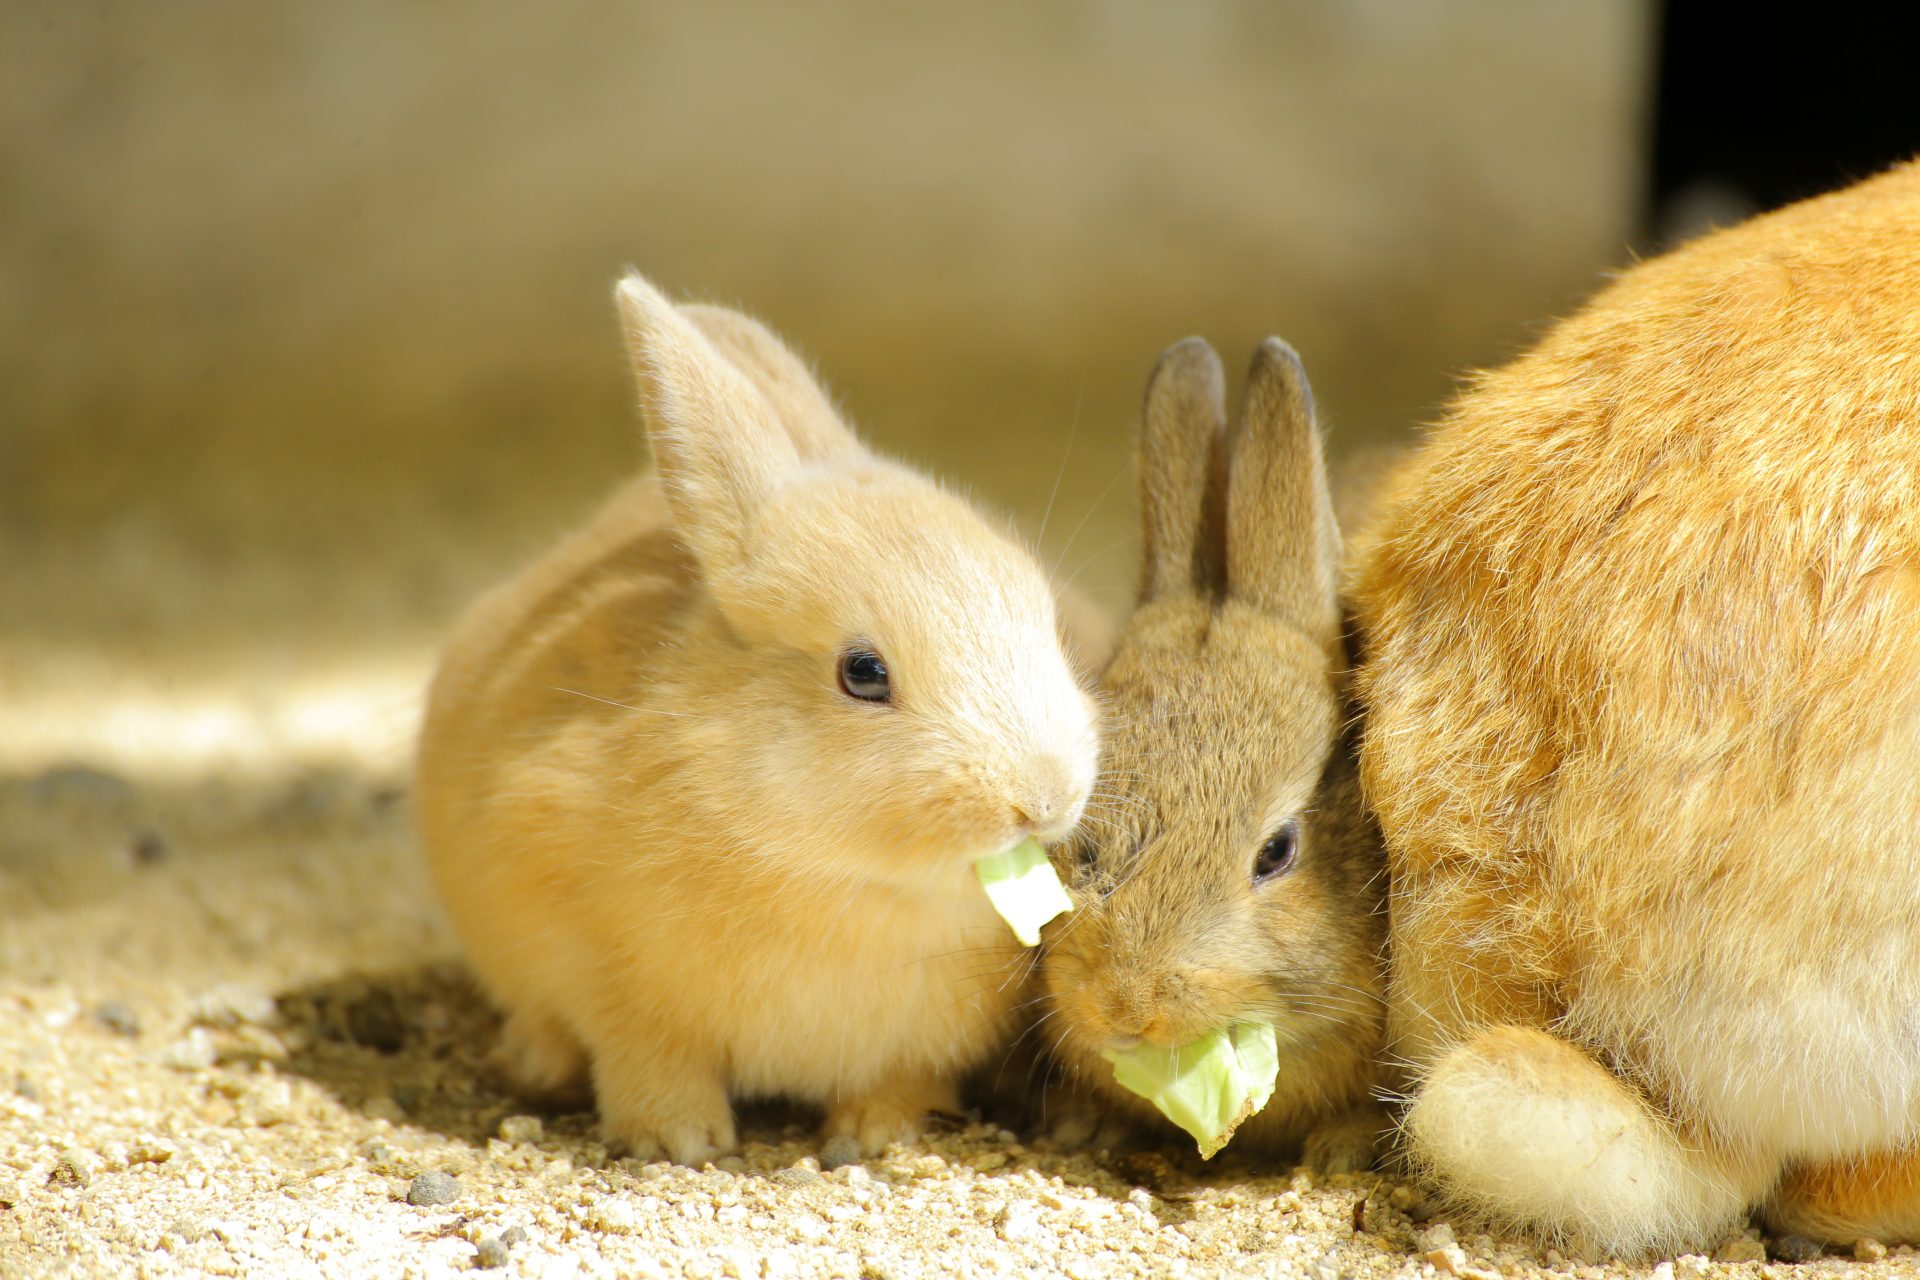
677 853
1877 1198
1642 693
1225 720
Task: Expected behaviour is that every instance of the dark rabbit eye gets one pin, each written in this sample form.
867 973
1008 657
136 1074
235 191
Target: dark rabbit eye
863 675
1277 854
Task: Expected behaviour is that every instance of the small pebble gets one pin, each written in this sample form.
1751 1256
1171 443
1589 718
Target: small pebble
1328 1267
491 1253
1411 1201
1792 1248
68 1171
513 1236
1691 1265
381 1106
797 1176
433 1188
524 1130
118 1016
1662 1271
839 1152
195 1052
1741 1249
151 1151
1868 1249
24 1085
233 1006
1020 1221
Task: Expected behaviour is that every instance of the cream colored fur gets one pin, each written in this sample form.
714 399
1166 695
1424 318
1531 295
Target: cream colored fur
1225 721
675 851
1642 690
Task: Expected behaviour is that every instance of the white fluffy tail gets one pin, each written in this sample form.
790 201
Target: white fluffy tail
1531 1131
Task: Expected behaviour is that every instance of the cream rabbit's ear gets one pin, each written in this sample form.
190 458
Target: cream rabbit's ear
799 401
718 446
1182 470
1283 544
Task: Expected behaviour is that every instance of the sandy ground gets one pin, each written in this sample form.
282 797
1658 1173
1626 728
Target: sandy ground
233 1036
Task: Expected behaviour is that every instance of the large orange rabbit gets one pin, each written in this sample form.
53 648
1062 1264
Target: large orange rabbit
1642 690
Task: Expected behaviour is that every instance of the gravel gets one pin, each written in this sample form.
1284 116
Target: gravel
1795 1249
433 1188
253 1130
118 1016
839 1153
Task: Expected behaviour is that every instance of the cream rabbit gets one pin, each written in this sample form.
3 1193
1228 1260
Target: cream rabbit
1228 870
1642 699
702 787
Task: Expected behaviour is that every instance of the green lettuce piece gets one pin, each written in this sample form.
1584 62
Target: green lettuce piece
1209 1086
1023 889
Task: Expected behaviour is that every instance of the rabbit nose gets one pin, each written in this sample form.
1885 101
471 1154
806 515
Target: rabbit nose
1050 803
1130 1017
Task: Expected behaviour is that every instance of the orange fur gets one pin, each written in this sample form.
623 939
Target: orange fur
674 849
1225 723
1876 1197
1643 717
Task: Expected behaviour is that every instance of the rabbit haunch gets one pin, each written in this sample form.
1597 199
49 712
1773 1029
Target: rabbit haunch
1642 699
682 856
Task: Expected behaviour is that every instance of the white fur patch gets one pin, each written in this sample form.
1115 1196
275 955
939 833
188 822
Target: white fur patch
1530 1130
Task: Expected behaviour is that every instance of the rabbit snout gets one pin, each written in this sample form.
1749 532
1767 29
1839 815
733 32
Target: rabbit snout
1047 797
1123 1002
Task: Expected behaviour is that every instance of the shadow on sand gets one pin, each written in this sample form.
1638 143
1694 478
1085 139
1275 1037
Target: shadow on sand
412 1045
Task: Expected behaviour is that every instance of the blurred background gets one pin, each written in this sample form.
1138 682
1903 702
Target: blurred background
307 334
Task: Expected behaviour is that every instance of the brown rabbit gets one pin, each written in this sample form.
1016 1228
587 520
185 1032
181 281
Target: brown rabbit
1228 870
702 788
1642 699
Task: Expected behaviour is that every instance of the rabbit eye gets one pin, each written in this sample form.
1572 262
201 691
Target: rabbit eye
1277 854
863 675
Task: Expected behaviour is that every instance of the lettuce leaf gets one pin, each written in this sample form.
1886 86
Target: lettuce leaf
1023 888
1209 1086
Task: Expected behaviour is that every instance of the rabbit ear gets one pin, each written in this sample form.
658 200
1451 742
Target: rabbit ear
798 399
717 445
1283 544
1182 470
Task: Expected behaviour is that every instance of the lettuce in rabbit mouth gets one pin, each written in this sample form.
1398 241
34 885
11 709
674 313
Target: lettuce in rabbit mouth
1023 888
1210 1086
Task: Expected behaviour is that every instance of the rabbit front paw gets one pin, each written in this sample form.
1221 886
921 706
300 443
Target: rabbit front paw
895 1113
541 1057
1349 1142
654 1109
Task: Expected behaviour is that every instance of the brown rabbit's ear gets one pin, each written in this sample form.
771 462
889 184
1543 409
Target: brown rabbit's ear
1283 544
1182 472
717 444
799 401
